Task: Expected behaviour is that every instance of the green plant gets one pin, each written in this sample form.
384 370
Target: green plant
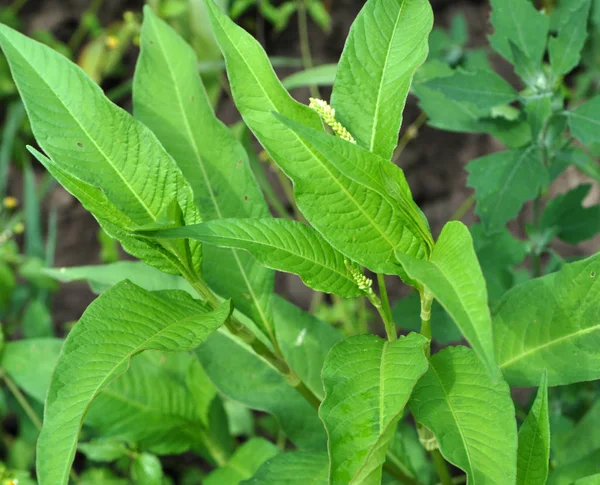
174 186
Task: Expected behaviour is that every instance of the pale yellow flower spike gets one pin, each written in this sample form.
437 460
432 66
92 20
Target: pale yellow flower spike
327 113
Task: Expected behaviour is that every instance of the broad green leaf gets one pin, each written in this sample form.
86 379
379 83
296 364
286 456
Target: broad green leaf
327 172
538 108
447 114
484 89
36 321
146 470
101 476
367 383
293 468
572 222
454 277
374 198
503 182
266 391
534 441
471 417
118 155
280 244
113 221
565 48
305 342
31 374
583 161
244 463
549 323
518 21
122 322
102 277
169 98
323 75
386 44
584 121
162 403
568 474
579 442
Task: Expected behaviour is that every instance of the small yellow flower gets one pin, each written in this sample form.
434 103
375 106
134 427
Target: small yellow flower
327 114
10 202
19 228
112 42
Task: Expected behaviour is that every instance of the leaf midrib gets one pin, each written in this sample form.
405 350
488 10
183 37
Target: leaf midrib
383 76
373 224
127 357
268 245
153 216
257 302
550 343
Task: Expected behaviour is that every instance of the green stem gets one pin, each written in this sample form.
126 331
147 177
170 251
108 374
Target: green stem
426 301
386 311
16 392
398 474
305 44
213 447
441 468
463 208
17 5
81 31
120 91
410 134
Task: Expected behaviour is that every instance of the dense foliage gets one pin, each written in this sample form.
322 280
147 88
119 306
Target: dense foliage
183 343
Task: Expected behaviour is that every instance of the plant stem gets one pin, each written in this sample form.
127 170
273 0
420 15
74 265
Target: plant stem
305 44
385 310
426 301
399 474
120 91
463 208
17 5
441 468
81 30
410 134
16 392
275 358
537 257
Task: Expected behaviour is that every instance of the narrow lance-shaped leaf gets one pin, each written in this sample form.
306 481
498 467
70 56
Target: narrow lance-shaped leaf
484 89
169 98
122 322
329 197
584 121
386 44
454 277
279 244
112 221
551 323
119 155
534 441
503 182
471 417
367 384
518 21
293 468
565 48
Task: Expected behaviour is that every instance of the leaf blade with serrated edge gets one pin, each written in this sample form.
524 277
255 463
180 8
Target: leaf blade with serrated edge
483 89
503 182
454 277
280 244
533 454
471 417
518 21
258 94
95 351
386 44
169 98
548 323
367 383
